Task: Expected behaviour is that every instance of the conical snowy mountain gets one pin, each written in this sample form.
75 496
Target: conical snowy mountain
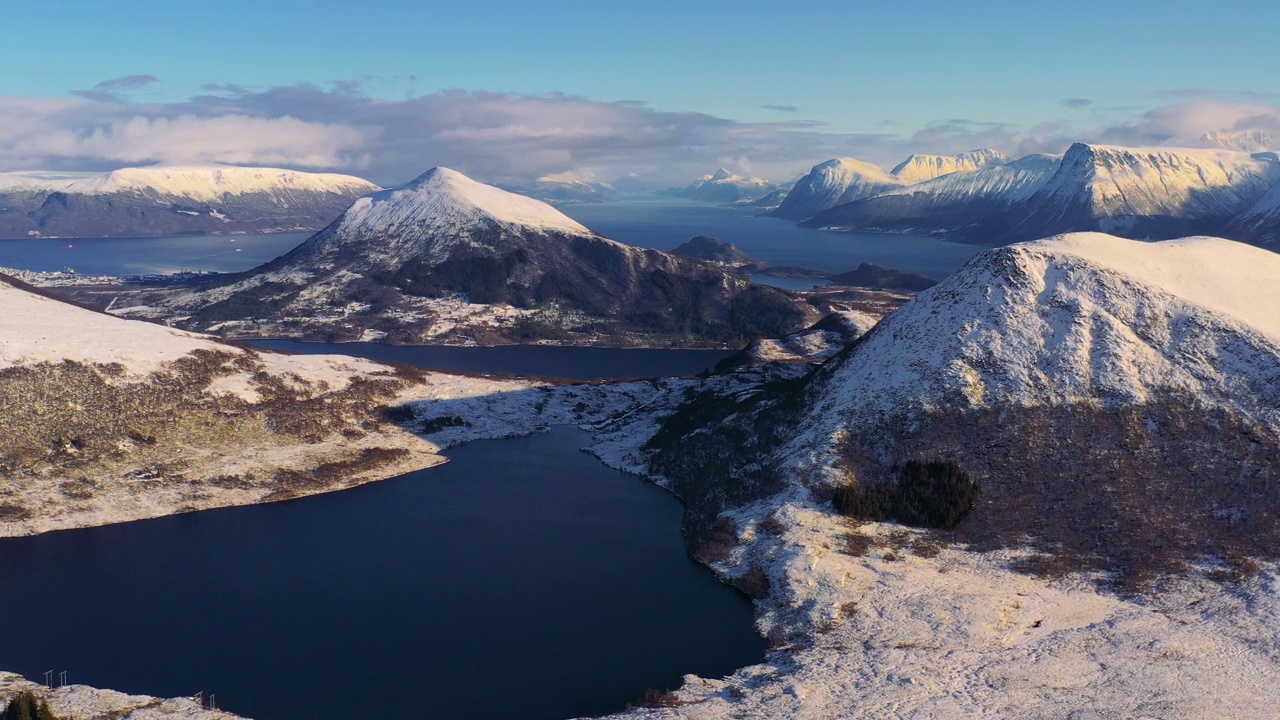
447 258
165 200
919 168
724 186
952 205
833 183
1141 193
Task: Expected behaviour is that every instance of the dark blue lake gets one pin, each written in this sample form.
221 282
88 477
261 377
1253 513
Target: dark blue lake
576 363
523 579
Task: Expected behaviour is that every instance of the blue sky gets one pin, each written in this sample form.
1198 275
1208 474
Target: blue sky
856 74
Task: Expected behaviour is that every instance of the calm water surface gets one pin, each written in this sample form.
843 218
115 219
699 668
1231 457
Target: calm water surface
524 579
665 224
144 256
659 224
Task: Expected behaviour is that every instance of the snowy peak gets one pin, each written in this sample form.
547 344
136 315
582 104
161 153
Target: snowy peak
1078 318
444 200
919 168
832 183
1156 181
214 183
724 186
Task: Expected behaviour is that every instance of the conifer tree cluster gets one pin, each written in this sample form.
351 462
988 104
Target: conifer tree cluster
26 706
936 494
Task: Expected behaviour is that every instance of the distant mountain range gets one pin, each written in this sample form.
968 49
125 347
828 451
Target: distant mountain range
1154 193
167 200
565 192
724 187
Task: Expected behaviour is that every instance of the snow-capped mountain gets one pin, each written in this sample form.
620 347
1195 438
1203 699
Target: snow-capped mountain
1140 193
1076 319
167 200
833 183
950 205
919 168
723 186
560 192
447 258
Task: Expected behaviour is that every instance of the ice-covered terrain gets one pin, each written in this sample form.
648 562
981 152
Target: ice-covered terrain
919 168
833 183
168 200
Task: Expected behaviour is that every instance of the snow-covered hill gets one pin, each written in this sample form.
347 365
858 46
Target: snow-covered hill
1079 318
724 186
447 258
1152 193
919 168
1116 402
833 183
949 205
165 200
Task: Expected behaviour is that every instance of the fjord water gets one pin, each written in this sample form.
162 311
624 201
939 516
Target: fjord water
665 224
657 224
145 256
523 579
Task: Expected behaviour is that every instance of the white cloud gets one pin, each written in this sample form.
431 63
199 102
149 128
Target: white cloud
501 137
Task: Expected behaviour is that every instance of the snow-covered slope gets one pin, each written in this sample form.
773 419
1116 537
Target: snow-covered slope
399 260
1078 318
724 186
35 328
946 205
832 183
919 168
1260 222
1143 193
165 200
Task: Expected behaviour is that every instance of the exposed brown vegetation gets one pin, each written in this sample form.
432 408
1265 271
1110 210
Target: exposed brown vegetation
74 421
1134 491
